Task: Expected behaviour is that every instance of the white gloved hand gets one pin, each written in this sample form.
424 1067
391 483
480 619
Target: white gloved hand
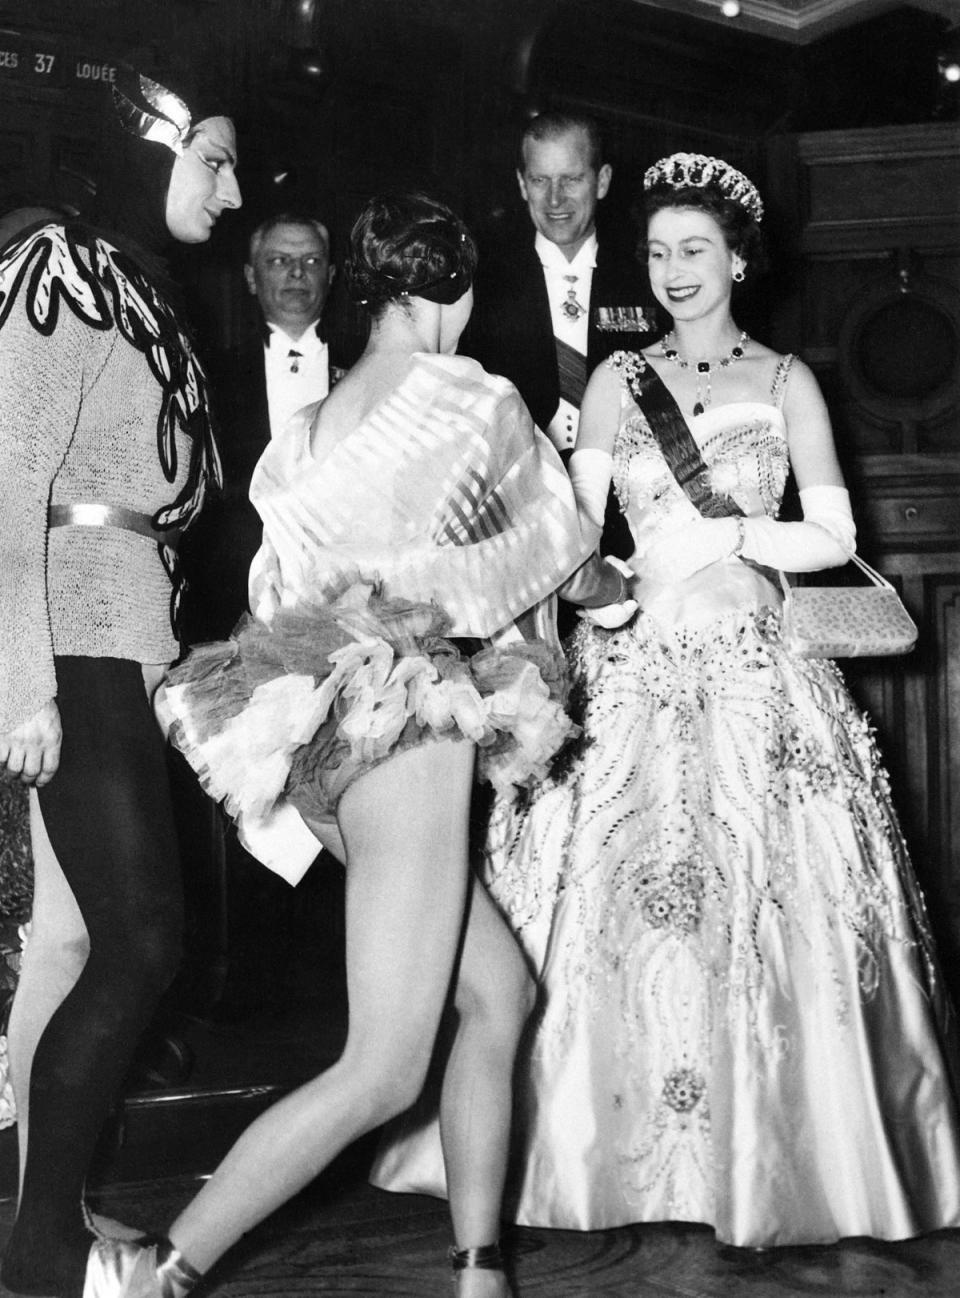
610 616
826 538
687 549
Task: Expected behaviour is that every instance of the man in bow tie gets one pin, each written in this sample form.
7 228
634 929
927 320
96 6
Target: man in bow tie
258 386
289 273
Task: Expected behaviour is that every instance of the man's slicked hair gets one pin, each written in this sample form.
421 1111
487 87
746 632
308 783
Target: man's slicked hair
553 124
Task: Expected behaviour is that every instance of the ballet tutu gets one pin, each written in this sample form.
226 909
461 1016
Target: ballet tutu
295 710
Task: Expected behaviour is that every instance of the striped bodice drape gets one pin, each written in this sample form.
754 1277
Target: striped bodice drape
445 492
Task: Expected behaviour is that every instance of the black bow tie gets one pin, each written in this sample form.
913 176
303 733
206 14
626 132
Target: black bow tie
294 358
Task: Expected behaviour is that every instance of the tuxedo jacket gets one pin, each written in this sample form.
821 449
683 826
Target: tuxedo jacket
511 329
218 550
511 332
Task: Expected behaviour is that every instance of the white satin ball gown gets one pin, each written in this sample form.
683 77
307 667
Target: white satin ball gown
741 1018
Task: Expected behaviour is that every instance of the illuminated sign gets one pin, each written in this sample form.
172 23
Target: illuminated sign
42 63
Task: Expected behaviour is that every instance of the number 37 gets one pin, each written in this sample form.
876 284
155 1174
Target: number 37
43 63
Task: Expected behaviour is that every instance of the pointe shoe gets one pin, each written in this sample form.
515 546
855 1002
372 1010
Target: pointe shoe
486 1258
145 1268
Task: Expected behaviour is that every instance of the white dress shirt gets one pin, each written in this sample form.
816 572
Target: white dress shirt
561 276
294 381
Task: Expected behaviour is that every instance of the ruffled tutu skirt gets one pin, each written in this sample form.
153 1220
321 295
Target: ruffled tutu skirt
294 711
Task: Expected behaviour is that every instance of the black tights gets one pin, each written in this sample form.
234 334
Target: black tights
108 814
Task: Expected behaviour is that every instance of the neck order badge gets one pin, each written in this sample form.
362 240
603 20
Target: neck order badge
571 308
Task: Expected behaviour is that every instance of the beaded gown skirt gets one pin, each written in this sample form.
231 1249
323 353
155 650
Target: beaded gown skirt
741 1019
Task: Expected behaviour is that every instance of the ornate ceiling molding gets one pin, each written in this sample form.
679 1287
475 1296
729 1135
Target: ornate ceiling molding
798 21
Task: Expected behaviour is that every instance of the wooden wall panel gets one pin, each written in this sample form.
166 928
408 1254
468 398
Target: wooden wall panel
875 308
943 707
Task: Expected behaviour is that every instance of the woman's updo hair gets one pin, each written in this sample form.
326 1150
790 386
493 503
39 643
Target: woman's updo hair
409 245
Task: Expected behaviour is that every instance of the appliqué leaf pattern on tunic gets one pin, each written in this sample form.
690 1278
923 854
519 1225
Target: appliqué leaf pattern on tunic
104 287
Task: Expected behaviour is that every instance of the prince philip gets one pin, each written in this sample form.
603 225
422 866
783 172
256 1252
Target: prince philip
549 310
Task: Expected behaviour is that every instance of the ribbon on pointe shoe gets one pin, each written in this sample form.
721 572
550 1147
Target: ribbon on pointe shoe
486 1258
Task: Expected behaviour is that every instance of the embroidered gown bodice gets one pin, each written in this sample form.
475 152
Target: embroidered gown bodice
744 446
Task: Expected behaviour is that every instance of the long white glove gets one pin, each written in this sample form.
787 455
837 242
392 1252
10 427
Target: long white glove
825 539
590 471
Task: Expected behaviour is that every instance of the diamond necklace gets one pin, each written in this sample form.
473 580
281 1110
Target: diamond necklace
703 367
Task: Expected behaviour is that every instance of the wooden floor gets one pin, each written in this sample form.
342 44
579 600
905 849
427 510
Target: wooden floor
344 1237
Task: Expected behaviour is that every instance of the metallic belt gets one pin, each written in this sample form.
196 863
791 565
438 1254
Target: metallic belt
91 515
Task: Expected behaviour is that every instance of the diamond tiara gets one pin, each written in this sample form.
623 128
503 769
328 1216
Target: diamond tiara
694 170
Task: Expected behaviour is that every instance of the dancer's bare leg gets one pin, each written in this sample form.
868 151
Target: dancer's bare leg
494 996
404 825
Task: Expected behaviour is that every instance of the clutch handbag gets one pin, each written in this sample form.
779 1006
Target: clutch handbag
846 621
